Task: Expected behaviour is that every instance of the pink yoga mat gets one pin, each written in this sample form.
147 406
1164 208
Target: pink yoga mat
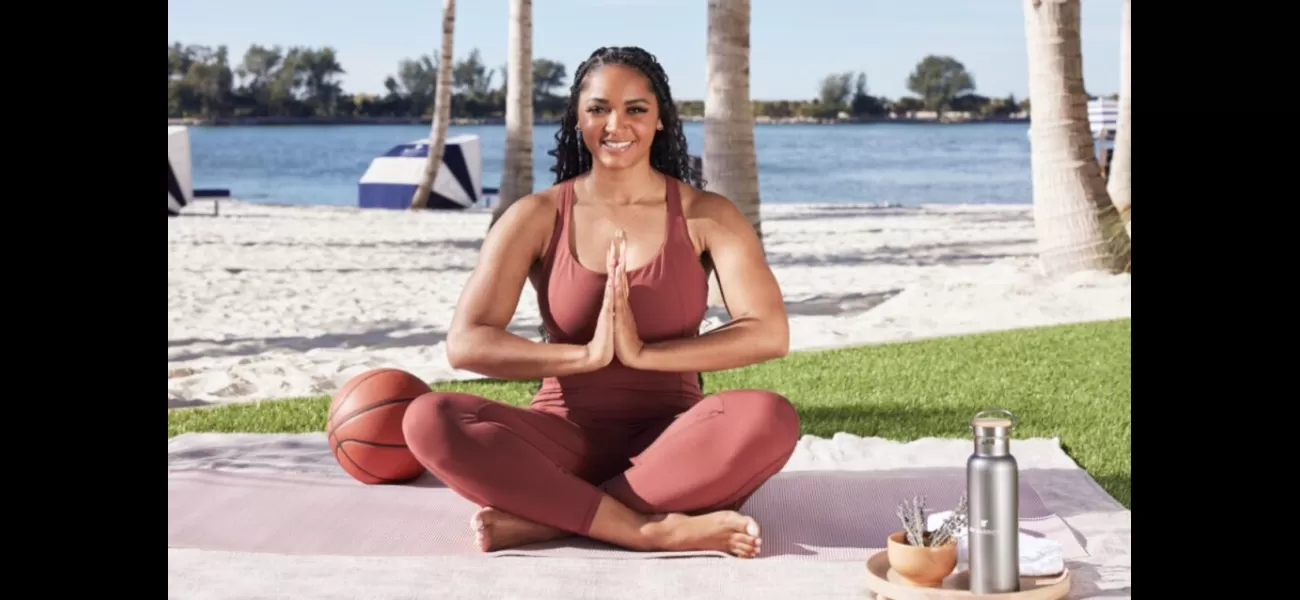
813 514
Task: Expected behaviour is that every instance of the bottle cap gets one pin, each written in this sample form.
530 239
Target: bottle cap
996 422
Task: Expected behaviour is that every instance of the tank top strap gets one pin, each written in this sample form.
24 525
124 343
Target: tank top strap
566 206
673 196
558 247
679 242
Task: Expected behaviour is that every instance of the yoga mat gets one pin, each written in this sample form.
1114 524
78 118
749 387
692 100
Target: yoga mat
1095 519
817 515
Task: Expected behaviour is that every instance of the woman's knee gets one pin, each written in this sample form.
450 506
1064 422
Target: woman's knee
768 415
432 426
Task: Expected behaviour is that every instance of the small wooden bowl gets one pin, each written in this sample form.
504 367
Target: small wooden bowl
918 565
887 584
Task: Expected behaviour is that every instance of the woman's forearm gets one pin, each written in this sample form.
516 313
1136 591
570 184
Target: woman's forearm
742 342
499 354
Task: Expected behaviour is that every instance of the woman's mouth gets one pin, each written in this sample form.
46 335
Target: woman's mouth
612 146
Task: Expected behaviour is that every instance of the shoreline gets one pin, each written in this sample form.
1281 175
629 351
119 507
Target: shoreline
500 121
270 301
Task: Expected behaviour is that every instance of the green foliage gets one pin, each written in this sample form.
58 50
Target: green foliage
299 82
276 84
939 81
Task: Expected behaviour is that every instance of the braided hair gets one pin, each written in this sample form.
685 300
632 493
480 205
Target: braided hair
668 153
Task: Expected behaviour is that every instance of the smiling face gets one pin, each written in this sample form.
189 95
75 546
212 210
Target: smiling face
618 115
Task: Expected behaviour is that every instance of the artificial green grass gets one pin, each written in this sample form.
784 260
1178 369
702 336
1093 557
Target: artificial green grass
1071 382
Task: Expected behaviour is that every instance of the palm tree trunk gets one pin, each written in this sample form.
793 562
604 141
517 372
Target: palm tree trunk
1120 183
730 162
1078 226
441 109
517 180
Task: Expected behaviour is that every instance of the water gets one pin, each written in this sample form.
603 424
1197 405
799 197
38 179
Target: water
904 164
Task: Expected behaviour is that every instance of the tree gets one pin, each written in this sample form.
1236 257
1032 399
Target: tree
441 110
1078 226
517 180
417 82
864 104
1120 182
939 80
547 76
730 162
836 91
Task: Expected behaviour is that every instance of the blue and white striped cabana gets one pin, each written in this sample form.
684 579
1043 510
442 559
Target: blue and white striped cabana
391 179
180 178
1103 119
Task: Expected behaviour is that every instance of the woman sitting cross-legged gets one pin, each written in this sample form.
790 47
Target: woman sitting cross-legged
618 444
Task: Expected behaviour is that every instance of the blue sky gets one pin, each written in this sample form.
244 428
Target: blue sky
794 44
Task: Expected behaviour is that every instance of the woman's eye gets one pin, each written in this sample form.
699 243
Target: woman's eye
634 109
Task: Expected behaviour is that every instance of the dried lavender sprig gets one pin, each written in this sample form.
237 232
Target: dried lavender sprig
913 529
909 525
918 512
912 515
949 528
942 535
950 525
901 511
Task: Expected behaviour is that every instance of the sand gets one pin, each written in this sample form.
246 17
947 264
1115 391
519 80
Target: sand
278 301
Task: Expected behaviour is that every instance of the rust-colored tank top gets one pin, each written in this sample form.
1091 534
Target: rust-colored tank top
669 297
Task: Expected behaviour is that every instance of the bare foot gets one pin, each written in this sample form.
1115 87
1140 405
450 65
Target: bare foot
724 530
497 530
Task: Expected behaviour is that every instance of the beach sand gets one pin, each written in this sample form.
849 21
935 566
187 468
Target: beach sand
276 301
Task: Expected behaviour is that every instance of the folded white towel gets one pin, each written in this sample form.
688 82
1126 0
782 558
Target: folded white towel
1039 557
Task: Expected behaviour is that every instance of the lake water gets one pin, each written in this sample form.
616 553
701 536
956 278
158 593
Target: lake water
881 163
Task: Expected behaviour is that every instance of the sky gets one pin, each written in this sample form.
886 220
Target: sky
793 44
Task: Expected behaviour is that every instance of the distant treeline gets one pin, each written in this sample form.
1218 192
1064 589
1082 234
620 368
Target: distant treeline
274 84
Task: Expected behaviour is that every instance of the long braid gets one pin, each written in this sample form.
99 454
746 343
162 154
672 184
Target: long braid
668 153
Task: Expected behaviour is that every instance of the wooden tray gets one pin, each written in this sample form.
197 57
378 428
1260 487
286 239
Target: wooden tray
888 586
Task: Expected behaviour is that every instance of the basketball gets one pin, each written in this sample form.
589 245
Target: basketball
364 426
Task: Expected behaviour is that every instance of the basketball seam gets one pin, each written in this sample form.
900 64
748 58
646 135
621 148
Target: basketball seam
333 426
358 465
340 449
344 400
340 441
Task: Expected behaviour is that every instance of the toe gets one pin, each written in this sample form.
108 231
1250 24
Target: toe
752 527
743 549
740 538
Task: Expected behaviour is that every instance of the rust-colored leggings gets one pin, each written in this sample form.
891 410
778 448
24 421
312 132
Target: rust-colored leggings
548 469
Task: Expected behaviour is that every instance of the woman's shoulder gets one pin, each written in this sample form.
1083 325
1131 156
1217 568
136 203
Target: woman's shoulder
709 216
528 224
530 220
703 204
536 204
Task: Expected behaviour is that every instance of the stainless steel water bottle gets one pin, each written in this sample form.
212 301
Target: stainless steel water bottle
993 502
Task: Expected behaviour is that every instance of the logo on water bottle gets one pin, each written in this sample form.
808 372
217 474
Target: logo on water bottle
983 528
